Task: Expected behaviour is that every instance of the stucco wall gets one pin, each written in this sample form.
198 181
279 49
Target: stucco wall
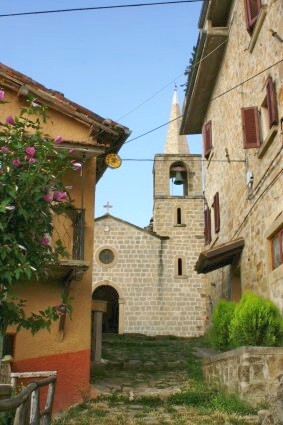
48 350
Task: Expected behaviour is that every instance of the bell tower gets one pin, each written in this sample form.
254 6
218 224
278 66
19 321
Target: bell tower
177 180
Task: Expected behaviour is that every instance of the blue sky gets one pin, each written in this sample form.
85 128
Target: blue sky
110 61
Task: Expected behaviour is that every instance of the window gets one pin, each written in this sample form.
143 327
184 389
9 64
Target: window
106 256
179 216
9 345
277 249
258 128
216 208
180 267
207 226
207 139
252 9
250 124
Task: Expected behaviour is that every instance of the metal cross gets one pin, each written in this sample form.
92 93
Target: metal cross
107 206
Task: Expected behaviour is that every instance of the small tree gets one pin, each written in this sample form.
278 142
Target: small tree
31 190
257 321
221 319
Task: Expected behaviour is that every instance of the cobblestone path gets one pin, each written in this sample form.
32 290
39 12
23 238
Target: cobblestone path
153 381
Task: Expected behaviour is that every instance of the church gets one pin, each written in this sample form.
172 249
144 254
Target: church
146 276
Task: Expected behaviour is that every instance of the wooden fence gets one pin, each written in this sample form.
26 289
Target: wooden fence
27 403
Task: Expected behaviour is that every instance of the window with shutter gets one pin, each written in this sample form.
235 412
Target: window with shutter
252 8
216 213
207 139
207 226
271 102
250 127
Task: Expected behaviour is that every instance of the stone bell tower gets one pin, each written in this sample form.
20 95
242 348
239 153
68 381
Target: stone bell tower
178 214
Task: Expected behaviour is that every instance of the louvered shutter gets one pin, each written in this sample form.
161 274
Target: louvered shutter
252 8
250 127
271 103
207 226
207 139
216 207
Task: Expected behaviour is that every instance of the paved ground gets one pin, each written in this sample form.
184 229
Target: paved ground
154 381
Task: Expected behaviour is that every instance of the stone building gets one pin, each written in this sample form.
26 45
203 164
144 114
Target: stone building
66 348
235 98
147 275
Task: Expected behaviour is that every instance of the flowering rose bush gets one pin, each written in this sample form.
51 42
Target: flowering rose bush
31 188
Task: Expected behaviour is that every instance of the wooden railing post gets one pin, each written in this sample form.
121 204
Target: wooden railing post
46 416
34 408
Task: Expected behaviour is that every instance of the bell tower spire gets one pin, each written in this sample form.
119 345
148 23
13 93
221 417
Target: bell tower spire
175 143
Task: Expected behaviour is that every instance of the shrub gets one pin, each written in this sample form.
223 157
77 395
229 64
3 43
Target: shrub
256 321
221 318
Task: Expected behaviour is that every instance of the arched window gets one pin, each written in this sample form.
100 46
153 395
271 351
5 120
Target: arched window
179 216
178 179
180 267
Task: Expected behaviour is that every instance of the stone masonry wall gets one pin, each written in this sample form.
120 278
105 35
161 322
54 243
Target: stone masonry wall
250 215
251 372
154 303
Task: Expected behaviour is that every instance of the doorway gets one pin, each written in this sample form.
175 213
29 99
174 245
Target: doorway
110 319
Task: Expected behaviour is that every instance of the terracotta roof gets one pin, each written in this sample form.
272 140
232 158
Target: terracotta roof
103 131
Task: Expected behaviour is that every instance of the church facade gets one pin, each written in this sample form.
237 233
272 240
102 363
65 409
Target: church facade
147 276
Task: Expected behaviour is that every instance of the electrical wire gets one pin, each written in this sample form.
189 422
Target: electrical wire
216 97
172 81
187 159
119 6
258 199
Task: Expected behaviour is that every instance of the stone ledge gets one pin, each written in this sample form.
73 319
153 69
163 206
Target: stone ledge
244 351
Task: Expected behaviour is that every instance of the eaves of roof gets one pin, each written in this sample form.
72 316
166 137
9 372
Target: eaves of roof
211 44
105 134
105 216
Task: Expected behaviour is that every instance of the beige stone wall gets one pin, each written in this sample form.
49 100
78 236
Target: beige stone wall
251 372
246 214
154 302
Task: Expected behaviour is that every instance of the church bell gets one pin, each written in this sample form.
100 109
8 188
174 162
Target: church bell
179 178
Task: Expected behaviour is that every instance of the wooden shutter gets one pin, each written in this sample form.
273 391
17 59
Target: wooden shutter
271 102
207 226
252 8
250 127
216 207
207 139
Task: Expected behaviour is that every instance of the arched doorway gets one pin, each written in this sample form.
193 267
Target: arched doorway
110 319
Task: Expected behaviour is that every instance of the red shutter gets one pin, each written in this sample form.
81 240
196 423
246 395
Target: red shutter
250 127
216 212
252 8
207 139
207 226
271 103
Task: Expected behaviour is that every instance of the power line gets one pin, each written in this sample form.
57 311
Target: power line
214 98
172 81
81 9
170 160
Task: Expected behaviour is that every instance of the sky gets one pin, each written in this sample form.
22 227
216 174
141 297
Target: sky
110 61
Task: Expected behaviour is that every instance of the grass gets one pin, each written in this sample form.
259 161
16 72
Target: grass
194 405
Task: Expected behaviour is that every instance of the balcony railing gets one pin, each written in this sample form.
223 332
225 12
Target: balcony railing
69 227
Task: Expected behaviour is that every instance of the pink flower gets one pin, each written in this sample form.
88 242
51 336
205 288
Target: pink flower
61 309
30 151
10 120
60 196
48 197
32 160
2 95
45 241
76 165
4 149
16 163
58 140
